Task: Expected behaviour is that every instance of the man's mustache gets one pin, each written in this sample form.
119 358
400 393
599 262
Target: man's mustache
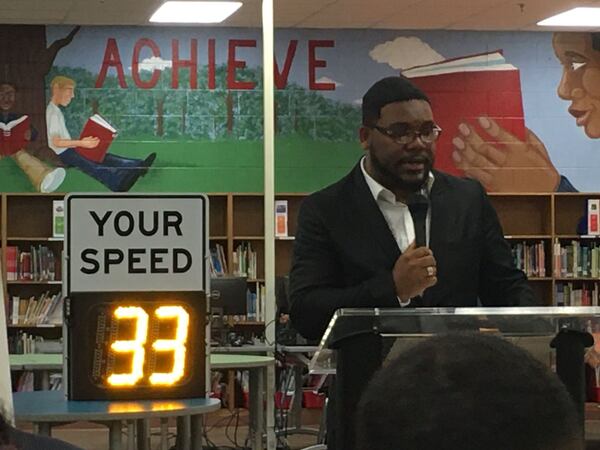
418 159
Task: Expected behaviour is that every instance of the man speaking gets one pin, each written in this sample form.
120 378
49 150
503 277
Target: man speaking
396 233
355 245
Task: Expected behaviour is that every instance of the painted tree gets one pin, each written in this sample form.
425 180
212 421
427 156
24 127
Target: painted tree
24 61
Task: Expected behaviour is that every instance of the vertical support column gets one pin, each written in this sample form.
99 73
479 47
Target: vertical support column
183 433
196 428
5 379
269 167
114 435
570 345
43 429
358 358
296 412
131 435
143 436
270 408
256 408
164 433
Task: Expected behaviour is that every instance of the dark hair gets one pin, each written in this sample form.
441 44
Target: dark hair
385 91
596 41
467 392
8 83
4 427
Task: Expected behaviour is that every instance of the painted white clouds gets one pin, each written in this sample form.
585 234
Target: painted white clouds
154 62
405 52
329 80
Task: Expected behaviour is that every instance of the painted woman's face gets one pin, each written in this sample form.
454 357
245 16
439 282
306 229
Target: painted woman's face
580 81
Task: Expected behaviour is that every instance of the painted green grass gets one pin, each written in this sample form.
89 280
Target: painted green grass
302 165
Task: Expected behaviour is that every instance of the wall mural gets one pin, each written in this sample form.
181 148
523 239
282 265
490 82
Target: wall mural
180 109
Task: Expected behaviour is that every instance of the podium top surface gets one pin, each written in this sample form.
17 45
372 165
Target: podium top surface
419 323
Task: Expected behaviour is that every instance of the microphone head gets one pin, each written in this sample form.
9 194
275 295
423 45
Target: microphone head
417 202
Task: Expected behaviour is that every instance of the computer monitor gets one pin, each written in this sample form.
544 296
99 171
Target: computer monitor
229 294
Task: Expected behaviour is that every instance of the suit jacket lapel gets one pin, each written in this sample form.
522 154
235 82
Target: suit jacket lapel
371 217
441 213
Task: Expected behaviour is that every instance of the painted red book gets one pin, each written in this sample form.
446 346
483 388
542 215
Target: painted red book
463 89
97 126
12 135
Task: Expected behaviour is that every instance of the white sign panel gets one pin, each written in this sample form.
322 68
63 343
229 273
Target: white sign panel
136 242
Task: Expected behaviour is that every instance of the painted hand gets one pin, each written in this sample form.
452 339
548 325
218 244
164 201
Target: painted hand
512 166
592 358
90 142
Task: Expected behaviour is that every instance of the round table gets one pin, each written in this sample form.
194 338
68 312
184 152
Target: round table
262 393
45 408
33 405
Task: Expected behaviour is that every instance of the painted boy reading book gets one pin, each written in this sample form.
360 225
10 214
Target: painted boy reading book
16 135
117 173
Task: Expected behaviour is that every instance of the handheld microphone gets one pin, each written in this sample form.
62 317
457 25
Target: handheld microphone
418 204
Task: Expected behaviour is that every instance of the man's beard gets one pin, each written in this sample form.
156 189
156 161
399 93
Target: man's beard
392 181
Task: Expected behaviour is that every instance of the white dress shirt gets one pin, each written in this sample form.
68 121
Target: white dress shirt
396 214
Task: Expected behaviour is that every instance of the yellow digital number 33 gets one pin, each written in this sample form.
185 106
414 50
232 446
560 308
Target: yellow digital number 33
136 346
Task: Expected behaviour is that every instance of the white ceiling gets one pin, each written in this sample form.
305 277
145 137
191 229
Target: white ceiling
392 14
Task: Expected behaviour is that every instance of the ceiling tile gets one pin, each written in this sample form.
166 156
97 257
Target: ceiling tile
510 15
393 14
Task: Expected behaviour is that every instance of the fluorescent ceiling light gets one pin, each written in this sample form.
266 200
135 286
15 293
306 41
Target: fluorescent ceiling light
194 12
576 17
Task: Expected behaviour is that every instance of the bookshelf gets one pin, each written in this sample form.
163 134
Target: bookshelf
550 220
237 219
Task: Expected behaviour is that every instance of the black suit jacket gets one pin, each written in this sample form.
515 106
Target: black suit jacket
344 253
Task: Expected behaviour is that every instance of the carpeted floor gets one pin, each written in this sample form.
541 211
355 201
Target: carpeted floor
221 431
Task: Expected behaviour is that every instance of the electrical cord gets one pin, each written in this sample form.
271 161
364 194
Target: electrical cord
235 416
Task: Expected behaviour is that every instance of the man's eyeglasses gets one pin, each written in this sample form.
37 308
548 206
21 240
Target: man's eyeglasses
402 134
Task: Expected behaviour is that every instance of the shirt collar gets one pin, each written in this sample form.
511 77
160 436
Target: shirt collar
378 191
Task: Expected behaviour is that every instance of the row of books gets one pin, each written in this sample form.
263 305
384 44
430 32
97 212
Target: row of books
576 259
244 261
39 263
218 261
255 304
23 343
585 294
45 310
530 258
25 382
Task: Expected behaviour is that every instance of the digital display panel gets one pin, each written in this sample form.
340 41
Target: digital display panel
136 345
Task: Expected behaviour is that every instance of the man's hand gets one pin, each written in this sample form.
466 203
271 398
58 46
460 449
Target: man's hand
27 135
510 166
592 358
89 142
414 271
